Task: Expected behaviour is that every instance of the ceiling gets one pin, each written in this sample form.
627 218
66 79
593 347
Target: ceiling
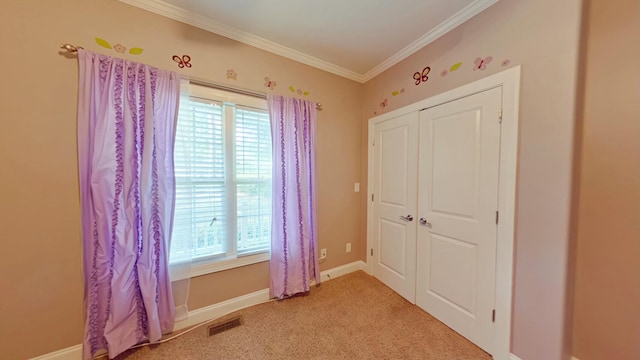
356 39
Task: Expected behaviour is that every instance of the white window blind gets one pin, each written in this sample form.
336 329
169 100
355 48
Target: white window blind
223 179
253 179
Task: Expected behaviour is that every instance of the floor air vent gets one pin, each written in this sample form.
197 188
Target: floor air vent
225 325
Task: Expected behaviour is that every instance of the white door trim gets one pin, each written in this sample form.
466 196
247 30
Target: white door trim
509 80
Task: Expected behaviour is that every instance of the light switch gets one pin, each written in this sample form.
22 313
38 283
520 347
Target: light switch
356 187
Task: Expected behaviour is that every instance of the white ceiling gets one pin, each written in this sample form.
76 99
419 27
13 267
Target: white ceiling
357 39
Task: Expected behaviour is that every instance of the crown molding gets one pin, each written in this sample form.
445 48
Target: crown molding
451 23
174 12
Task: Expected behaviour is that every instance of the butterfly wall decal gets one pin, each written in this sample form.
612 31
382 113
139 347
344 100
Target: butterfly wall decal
184 61
481 64
422 77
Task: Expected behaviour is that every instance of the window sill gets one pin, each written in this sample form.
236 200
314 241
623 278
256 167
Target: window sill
208 267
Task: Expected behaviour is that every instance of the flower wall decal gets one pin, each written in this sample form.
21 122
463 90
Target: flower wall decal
119 48
298 91
269 83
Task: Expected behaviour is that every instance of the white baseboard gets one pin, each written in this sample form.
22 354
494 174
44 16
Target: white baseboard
343 270
70 353
513 357
214 311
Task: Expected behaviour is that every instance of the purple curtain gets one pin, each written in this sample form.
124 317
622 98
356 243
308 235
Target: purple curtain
126 121
294 226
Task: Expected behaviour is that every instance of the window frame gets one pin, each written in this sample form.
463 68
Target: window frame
231 259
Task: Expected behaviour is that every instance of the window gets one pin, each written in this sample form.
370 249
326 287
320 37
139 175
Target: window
223 180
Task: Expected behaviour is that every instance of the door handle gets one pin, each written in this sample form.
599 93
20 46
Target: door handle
424 222
407 218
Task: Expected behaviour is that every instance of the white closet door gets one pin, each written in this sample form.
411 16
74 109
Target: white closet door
395 203
458 199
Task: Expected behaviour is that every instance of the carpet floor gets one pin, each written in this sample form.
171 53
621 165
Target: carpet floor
351 317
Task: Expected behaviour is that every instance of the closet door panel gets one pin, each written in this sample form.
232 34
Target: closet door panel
395 203
458 200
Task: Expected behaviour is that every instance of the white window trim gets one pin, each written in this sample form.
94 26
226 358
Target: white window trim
212 264
199 268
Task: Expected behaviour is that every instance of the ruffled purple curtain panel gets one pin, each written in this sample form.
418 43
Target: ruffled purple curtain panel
294 227
126 120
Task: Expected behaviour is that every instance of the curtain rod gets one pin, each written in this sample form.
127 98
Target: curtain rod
74 49
236 90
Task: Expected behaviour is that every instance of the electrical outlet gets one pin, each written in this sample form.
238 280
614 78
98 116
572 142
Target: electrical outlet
323 253
348 247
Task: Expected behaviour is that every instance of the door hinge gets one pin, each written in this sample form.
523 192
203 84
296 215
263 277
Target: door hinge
497 216
493 316
371 251
371 197
500 116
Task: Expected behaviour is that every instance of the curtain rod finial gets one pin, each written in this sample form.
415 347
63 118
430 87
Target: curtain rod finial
70 48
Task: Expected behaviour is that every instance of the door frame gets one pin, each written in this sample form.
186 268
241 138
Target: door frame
509 80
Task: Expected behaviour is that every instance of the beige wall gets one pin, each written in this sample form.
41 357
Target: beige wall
607 289
542 36
40 261
40 265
